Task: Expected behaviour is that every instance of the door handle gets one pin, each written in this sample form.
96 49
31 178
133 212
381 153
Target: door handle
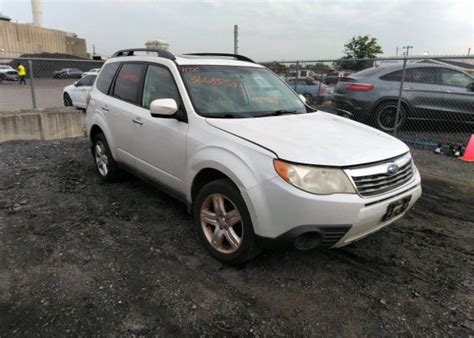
137 120
105 108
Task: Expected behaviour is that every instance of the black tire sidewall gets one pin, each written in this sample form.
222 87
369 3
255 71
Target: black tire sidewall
67 100
248 248
113 172
380 109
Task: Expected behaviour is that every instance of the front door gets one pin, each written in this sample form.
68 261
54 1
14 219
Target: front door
159 144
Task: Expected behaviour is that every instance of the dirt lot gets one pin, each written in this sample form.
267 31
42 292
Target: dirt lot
82 257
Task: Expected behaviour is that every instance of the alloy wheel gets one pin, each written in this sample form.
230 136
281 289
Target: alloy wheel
387 116
221 223
101 159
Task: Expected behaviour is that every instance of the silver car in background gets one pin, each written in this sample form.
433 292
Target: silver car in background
430 93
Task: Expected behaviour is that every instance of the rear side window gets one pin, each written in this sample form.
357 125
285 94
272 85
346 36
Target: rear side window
159 84
106 77
424 75
87 80
127 84
394 76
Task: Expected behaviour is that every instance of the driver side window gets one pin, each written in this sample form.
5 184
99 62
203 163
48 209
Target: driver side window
159 84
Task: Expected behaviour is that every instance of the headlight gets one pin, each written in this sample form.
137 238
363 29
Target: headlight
316 180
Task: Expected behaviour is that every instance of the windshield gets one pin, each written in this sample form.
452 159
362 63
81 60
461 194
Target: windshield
230 91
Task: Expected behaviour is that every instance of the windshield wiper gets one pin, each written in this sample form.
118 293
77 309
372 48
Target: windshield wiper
224 115
279 112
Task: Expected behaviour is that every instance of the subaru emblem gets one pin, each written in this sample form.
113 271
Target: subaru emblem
392 168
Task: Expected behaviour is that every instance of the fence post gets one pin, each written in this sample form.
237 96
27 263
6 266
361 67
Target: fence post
32 83
297 75
319 87
399 101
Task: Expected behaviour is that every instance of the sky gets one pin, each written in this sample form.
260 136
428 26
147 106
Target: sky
268 30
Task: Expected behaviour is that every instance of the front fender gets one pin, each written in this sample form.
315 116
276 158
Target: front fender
241 169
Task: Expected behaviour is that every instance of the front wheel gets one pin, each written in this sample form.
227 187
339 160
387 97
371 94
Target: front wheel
386 115
223 223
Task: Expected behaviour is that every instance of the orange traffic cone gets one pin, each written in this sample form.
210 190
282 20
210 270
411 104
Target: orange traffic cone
469 152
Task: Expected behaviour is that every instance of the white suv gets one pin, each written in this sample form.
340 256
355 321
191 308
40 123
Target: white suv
254 164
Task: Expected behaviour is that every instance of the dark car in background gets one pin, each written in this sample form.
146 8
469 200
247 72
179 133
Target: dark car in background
68 73
314 92
430 93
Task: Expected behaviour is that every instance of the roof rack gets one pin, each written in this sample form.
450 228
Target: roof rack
131 52
235 56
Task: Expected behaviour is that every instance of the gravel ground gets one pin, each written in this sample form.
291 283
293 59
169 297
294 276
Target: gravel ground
83 257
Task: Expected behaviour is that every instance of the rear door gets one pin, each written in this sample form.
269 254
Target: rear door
458 100
122 106
424 90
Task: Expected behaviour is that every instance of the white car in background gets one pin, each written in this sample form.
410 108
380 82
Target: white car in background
76 94
93 71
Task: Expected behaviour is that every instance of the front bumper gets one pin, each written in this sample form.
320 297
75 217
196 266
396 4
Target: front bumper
281 212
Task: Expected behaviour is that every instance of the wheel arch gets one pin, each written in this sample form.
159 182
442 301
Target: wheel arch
408 107
96 127
206 176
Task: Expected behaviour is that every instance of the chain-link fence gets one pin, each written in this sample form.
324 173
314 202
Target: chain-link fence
422 100
44 83
425 101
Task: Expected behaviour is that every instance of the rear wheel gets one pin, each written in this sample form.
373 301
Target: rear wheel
223 223
104 163
67 100
386 115
308 97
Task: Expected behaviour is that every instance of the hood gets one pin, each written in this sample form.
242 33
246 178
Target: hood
315 138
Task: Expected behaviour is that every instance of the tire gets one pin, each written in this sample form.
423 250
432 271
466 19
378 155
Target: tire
231 240
67 100
385 116
105 165
309 98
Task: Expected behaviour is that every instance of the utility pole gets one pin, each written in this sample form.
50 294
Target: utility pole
93 49
396 51
236 39
408 49
469 51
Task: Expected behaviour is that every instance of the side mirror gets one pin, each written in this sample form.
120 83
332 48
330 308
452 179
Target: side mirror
470 87
302 98
163 107
76 84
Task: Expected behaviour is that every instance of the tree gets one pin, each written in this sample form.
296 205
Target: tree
275 66
359 47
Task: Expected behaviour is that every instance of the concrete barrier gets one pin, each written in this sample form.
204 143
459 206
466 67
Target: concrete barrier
42 125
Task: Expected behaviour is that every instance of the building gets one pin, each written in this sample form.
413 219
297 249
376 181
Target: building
157 44
17 39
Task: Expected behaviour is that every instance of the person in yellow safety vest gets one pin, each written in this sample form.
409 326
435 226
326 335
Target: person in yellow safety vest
22 74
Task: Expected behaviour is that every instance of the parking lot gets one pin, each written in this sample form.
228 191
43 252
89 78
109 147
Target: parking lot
48 94
84 257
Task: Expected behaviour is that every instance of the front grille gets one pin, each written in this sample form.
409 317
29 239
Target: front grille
379 183
332 234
